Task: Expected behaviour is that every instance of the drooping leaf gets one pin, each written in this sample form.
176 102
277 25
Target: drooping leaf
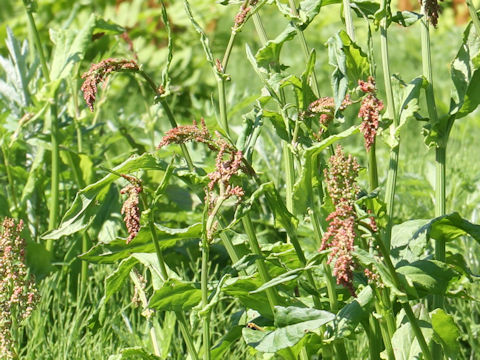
407 105
226 342
406 344
69 48
176 295
307 10
350 63
302 190
447 331
426 277
142 243
268 56
252 126
292 324
84 208
353 313
449 227
465 75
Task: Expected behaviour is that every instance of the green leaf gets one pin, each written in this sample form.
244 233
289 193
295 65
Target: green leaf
292 324
427 277
350 62
283 278
118 249
302 190
268 56
114 281
466 75
307 11
133 353
407 243
406 18
406 345
447 331
69 48
226 342
407 106
449 227
241 288
279 125
353 313
176 295
85 206
252 126
108 26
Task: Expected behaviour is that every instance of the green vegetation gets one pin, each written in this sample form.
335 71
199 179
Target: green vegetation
239 180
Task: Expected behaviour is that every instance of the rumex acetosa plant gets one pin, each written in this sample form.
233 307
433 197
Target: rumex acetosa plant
315 259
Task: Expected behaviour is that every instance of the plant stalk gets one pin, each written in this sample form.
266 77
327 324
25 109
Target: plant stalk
347 13
473 14
182 321
393 163
306 51
204 288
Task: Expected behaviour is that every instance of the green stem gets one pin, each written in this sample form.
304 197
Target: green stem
54 190
373 348
406 306
204 288
272 295
305 49
9 175
182 321
222 104
474 16
372 168
393 164
347 13
440 150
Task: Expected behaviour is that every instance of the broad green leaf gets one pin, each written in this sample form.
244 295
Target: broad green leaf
447 331
466 75
427 277
406 18
307 11
115 281
449 227
108 26
350 62
84 207
292 324
407 243
240 289
176 295
407 105
226 342
118 249
279 125
69 48
283 278
302 190
353 313
134 353
252 126
268 56
406 346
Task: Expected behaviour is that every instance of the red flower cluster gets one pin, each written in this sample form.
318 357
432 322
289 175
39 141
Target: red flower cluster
18 294
325 107
369 111
241 16
130 208
340 235
224 169
99 72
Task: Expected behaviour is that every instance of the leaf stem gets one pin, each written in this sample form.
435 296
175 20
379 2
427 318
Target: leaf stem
393 163
204 288
347 13
473 14
182 321
306 51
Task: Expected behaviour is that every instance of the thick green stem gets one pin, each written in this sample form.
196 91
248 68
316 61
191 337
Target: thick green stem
393 164
473 14
272 295
204 288
11 183
182 321
54 190
306 50
372 168
347 13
